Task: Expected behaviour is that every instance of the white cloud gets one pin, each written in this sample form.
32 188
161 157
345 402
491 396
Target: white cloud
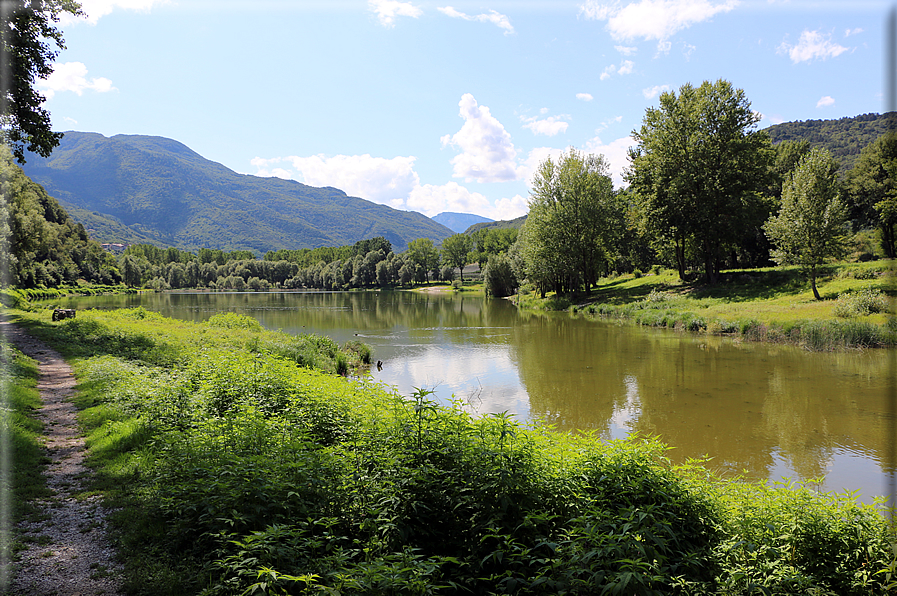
549 126
584 96
626 50
825 102
496 18
487 153
616 153
536 157
512 208
812 45
625 68
652 92
377 179
94 9
72 76
388 10
653 19
431 200
850 32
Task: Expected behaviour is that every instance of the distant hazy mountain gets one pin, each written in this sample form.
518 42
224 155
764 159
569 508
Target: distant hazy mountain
458 222
133 188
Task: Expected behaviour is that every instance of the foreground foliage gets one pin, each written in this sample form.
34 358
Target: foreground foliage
239 472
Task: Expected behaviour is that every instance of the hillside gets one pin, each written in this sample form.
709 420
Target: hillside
458 222
498 225
129 188
845 137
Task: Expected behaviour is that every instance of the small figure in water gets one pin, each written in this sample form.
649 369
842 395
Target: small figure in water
379 365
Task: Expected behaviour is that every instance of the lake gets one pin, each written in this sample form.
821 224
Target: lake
763 411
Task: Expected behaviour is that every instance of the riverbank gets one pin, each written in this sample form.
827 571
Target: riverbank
234 466
771 304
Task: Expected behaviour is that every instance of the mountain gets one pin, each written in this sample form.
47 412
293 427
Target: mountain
135 188
844 138
458 222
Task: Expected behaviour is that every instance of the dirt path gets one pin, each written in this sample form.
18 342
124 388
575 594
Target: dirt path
68 553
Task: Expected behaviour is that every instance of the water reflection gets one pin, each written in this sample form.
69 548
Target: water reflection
761 410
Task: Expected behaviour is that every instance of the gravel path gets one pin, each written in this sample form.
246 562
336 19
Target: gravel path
68 553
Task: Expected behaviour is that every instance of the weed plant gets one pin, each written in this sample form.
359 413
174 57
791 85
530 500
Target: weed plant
238 470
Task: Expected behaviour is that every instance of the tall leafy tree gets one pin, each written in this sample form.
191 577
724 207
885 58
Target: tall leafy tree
873 188
30 43
424 254
455 251
570 227
699 169
809 228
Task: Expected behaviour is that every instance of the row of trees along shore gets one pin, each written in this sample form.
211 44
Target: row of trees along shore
706 192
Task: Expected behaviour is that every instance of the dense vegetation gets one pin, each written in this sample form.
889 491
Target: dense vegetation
40 245
158 189
238 472
844 138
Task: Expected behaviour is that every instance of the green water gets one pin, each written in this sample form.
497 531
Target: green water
764 411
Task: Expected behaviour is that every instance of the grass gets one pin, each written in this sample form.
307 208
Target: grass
771 304
236 470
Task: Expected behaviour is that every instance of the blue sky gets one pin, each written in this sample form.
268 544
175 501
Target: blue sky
445 106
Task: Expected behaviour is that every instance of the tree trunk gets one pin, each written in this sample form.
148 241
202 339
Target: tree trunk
887 240
813 284
679 246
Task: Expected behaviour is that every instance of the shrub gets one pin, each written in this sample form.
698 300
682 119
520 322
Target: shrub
862 303
231 320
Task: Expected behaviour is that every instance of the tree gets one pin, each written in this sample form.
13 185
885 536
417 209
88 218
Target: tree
454 251
28 36
810 225
424 254
570 227
873 188
498 277
699 169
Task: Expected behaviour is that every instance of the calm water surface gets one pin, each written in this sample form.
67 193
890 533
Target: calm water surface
761 410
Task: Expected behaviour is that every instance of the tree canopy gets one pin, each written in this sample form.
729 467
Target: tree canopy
809 228
873 187
455 250
30 44
570 227
699 169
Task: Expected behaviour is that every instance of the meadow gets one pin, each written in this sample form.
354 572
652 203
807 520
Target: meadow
768 304
245 461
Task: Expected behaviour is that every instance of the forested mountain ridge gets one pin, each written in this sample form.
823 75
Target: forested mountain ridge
844 137
141 188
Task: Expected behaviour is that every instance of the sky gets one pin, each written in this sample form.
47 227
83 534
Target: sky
434 106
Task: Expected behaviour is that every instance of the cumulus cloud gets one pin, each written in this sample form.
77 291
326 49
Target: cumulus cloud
534 158
549 126
72 76
432 199
812 45
652 92
388 10
487 153
377 179
496 18
584 96
652 19
825 101
94 9
617 155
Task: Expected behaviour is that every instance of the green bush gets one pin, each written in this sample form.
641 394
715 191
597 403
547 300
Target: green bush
858 304
231 320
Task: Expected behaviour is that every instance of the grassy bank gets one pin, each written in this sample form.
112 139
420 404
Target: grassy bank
239 467
21 432
772 304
